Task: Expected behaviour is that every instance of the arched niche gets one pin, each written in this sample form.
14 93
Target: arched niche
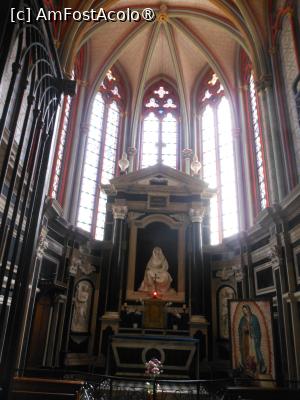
147 233
83 301
225 293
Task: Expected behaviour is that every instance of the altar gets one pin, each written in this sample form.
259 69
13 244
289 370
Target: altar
155 291
129 353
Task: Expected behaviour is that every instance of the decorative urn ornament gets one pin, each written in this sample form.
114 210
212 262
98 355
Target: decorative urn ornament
196 165
123 163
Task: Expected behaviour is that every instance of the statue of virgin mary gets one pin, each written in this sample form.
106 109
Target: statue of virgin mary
156 275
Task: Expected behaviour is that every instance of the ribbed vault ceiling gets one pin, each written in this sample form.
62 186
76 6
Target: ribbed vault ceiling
193 35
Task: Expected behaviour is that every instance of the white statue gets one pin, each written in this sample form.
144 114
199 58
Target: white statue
82 305
225 294
156 275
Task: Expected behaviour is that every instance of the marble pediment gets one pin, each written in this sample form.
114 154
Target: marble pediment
160 178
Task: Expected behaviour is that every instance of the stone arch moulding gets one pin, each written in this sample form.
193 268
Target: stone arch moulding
180 227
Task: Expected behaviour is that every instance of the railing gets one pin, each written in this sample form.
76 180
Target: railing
103 387
114 388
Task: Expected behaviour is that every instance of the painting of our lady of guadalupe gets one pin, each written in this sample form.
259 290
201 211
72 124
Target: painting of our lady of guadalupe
252 339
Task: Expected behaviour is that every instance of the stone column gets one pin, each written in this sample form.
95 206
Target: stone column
275 133
187 156
241 273
30 299
271 139
78 167
291 302
250 291
76 156
73 269
197 265
283 323
245 158
131 155
198 320
116 266
237 145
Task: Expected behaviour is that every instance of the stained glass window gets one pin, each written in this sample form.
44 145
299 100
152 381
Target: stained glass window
159 142
89 182
217 153
258 148
100 156
61 145
64 138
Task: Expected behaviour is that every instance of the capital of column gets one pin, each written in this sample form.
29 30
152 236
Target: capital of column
290 10
266 81
236 132
272 50
84 128
290 297
119 212
197 214
243 88
131 151
275 256
187 153
82 83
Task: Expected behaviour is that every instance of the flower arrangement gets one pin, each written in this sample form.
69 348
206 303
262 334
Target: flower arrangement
153 367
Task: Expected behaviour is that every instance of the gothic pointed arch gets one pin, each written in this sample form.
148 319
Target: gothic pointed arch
216 149
102 151
159 138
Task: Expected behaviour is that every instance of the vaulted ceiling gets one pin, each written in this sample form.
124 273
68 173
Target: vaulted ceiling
186 37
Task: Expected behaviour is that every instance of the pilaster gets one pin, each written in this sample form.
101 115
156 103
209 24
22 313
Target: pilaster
116 261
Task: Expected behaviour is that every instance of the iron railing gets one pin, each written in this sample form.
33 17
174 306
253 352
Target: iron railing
114 388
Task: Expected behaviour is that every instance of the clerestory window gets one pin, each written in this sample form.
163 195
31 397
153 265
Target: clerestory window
101 155
217 154
160 127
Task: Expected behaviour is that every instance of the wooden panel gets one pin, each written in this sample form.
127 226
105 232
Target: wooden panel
37 388
154 314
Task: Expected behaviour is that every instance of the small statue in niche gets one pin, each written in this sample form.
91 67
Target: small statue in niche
157 277
82 305
226 293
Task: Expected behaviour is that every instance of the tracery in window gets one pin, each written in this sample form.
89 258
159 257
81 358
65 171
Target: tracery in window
100 155
61 145
159 140
217 155
258 148
65 134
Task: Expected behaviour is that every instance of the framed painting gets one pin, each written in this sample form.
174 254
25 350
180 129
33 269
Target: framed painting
251 333
264 279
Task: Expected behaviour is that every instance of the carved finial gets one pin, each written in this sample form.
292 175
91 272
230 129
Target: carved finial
196 165
123 162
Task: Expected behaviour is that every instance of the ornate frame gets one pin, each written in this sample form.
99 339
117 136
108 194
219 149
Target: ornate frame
267 289
268 332
131 294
